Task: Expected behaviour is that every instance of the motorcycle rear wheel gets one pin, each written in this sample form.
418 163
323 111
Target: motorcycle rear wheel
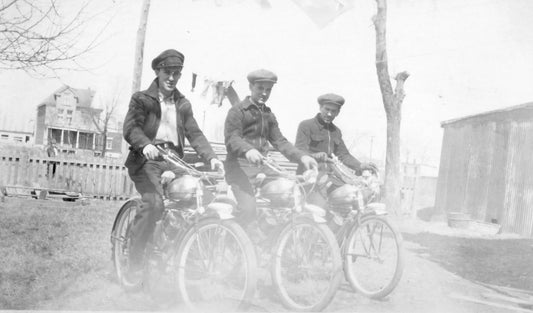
121 245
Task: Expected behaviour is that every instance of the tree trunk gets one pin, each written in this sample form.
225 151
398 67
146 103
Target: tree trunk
104 138
392 102
139 47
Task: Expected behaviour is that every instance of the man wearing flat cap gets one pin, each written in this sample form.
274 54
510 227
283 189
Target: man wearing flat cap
249 128
323 139
159 114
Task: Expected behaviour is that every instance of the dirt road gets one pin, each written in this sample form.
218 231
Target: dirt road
425 287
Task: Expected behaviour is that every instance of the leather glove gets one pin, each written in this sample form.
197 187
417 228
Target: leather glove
320 156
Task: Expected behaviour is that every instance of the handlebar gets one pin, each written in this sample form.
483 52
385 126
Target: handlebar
168 154
308 177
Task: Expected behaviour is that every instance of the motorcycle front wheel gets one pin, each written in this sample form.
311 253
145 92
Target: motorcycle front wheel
216 267
307 266
373 257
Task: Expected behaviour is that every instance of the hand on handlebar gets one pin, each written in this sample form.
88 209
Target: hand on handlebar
309 162
216 164
255 157
371 167
150 152
320 156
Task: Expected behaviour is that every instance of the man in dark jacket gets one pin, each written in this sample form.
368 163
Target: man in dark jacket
249 128
322 139
159 114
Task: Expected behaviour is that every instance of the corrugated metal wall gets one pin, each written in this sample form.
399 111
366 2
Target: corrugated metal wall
486 170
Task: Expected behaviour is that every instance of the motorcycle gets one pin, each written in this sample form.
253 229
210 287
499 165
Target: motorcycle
198 253
371 247
298 248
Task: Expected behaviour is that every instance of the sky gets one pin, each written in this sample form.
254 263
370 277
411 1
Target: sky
463 58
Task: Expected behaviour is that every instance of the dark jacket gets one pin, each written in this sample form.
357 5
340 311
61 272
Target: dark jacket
314 135
142 122
250 127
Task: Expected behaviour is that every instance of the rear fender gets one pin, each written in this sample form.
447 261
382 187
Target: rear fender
126 204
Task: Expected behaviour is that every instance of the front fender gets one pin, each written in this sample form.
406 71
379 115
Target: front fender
317 213
376 208
222 209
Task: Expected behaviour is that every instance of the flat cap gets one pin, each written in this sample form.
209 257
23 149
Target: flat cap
331 98
262 75
168 58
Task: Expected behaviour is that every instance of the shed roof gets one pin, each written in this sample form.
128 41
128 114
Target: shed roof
521 111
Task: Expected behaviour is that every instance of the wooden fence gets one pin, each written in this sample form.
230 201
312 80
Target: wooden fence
95 177
91 176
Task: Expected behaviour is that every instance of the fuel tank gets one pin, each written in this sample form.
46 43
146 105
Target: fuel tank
345 194
183 188
279 190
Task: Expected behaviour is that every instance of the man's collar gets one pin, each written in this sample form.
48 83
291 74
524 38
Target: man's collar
247 102
321 122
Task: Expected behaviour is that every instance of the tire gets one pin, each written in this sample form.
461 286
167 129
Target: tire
216 267
310 284
120 246
373 257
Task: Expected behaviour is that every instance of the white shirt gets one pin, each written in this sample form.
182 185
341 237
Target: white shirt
168 127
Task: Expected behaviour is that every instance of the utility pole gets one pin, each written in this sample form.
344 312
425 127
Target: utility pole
139 47
371 145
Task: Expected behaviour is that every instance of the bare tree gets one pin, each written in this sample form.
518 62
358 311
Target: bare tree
34 35
102 119
392 102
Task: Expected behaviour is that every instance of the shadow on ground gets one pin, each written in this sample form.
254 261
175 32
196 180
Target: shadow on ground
503 262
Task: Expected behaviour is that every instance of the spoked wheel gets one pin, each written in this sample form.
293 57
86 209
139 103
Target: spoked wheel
216 267
373 257
120 246
307 266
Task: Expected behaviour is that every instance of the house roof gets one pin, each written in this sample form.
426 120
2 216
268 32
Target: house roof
521 111
85 96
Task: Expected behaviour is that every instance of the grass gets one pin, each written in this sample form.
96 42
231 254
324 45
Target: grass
46 245
502 262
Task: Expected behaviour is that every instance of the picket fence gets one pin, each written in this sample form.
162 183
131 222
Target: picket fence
93 177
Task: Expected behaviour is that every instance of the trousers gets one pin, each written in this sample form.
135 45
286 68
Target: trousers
239 174
147 180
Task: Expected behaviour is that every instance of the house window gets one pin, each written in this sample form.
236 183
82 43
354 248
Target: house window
54 133
109 144
17 138
86 141
60 111
69 138
4 137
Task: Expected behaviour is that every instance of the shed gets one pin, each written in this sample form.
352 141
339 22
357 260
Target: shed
486 168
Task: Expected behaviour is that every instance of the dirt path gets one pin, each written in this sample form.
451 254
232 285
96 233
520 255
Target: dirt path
425 287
